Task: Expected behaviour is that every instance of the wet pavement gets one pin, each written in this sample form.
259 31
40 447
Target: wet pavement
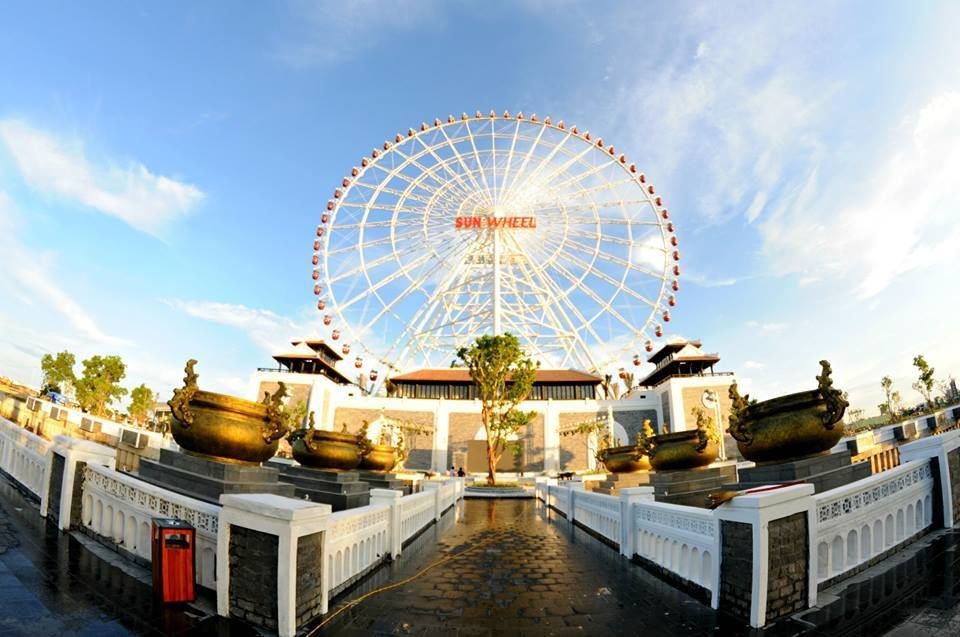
52 584
505 569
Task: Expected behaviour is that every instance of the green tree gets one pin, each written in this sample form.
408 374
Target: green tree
504 377
141 400
100 384
57 371
924 383
887 383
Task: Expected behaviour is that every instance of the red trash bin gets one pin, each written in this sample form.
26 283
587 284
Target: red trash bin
173 560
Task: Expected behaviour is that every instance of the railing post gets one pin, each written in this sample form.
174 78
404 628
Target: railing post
572 488
766 552
434 486
945 451
628 530
391 498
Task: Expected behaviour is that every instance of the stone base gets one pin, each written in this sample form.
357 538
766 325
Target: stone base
616 481
691 487
824 472
384 480
207 479
340 489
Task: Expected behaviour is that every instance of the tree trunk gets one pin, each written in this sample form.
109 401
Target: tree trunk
491 462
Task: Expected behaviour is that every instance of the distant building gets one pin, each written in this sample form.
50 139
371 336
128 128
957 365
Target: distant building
439 411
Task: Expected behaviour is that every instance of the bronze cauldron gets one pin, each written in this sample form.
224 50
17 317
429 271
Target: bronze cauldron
224 427
792 426
681 450
379 458
321 449
625 459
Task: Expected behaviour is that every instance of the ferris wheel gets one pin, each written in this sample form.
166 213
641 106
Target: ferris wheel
495 223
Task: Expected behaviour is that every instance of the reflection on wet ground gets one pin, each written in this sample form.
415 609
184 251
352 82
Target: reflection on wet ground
529 572
505 568
50 584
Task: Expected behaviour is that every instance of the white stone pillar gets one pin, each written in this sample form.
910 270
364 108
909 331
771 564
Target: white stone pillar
441 437
434 487
391 498
72 450
288 519
628 530
758 511
551 439
941 448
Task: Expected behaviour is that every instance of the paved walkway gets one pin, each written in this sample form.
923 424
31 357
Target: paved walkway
525 571
53 584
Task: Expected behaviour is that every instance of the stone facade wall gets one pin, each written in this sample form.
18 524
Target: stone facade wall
574 449
953 470
463 428
691 397
787 575
736 568
309 578
56 486
76 501
665 408
632 422
253 576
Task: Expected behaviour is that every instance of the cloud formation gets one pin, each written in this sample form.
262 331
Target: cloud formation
129 191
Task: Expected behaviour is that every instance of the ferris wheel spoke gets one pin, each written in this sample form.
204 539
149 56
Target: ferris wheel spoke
611 258
476 156
540 183
540 165
617 285
375 243
510 153
463 164
428 171
603 306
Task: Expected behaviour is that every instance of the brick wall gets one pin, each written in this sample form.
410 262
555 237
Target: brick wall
76 503
736 568
632 421
56 486
463 428
253 576
574 451
788 566
309 579
953 469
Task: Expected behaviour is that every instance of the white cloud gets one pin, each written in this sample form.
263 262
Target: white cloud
905 217
267 329
767 327
328 31
31 277
130 192
709 282
754 365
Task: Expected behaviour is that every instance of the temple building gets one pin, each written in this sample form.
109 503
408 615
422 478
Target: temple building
439 412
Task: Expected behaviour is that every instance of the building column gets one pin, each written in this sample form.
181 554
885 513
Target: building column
551 439
441 437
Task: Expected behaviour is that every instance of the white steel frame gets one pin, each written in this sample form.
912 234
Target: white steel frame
580 290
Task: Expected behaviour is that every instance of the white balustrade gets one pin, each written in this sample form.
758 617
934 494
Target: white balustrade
356 542
416 513
681 539
599 513
119 508
23 456
859 521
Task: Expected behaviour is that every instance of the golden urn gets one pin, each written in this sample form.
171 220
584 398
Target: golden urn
320 449
682 450
224 427
624 459
787 427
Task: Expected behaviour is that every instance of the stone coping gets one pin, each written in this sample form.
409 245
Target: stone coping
275 506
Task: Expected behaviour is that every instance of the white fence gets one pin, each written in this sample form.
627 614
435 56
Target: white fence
684 540
416 513
680 539
357 541
599 513
860 521
23 456
119 508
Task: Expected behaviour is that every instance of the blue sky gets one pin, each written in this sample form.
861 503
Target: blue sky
162 166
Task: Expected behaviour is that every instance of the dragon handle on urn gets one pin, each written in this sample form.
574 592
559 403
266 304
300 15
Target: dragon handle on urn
836 405
180 403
